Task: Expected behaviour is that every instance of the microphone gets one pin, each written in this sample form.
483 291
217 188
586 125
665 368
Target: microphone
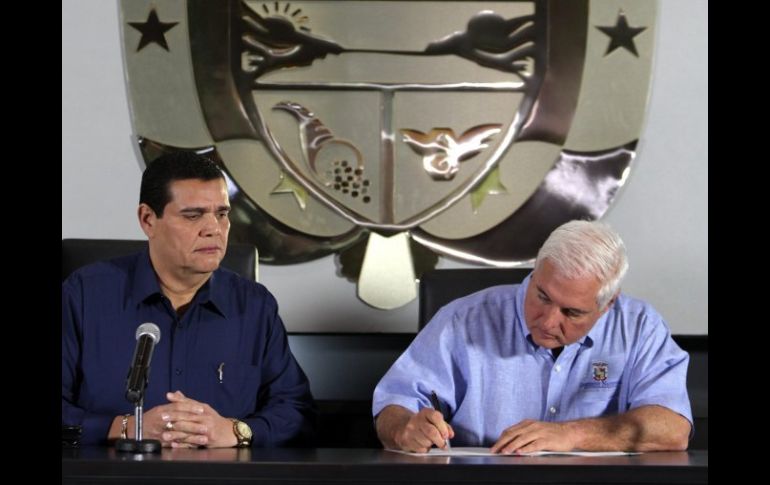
147 335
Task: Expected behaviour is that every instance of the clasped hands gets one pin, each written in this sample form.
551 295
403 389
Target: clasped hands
187 423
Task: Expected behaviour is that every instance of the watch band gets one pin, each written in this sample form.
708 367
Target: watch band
243 440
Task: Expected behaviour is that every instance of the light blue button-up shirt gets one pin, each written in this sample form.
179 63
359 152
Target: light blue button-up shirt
479 357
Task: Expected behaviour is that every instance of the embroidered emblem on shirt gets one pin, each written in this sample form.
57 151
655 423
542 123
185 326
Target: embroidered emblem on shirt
600 371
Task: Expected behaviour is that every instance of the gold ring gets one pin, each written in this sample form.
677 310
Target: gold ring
169 426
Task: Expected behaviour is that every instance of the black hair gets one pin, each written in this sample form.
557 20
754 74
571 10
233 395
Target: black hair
169 167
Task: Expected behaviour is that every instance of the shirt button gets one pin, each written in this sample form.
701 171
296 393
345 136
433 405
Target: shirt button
178 372
552 410
557 367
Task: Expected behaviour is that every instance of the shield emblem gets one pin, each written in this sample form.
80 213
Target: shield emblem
388 132
599 371
361 121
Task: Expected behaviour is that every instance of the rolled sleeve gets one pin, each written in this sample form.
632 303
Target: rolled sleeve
659 372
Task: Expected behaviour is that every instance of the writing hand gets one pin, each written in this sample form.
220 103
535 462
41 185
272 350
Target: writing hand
423 430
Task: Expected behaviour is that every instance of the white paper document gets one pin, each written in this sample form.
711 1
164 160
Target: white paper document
481 451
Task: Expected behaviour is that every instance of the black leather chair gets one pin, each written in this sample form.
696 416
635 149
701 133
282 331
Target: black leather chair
241 258
440 286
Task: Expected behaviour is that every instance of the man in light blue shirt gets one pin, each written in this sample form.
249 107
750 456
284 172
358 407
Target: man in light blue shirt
561 362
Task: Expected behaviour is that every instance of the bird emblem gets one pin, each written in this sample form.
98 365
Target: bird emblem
442 151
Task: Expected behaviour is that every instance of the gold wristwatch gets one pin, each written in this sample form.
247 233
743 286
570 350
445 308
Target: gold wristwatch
242 433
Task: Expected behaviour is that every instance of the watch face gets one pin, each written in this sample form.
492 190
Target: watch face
243 429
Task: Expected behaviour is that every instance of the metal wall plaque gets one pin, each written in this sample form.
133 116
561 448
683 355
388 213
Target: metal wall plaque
392 132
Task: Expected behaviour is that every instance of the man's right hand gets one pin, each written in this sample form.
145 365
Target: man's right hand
399 428
155 421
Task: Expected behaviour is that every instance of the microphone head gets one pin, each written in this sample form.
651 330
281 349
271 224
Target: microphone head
149 329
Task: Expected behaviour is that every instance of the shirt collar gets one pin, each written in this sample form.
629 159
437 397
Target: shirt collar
146 286
215 292
598 329
520 296
145 282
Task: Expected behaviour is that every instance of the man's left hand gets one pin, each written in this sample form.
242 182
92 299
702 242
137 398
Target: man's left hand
186 427
530 435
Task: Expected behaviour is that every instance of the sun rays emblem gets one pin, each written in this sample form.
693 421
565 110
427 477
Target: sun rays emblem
370 131
285 11
277 41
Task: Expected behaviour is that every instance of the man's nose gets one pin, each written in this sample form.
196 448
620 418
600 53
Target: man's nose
210 225
551 317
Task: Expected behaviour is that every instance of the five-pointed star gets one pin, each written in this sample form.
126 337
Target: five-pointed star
153 30
287 185
491 185
621 35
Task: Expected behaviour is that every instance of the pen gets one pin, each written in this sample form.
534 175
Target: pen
221 371
437 406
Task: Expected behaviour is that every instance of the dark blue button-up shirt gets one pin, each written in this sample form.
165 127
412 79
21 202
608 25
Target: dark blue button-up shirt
228 350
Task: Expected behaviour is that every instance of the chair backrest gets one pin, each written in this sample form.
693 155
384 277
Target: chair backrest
439 287
240 257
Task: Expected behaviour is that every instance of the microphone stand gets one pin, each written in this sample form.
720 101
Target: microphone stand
138 445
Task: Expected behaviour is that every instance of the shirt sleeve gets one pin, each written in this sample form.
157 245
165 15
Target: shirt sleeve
658 375
428 364
95 427
286 414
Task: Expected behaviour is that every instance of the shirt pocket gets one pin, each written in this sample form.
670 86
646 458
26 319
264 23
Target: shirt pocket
231 388
597 398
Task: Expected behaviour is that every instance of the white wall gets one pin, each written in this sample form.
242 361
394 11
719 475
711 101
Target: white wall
662 212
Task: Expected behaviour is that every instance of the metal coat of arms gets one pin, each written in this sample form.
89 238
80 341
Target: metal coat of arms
392 132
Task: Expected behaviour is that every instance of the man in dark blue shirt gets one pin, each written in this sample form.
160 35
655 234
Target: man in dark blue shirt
223 349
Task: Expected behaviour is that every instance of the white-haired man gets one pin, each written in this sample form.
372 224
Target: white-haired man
562 361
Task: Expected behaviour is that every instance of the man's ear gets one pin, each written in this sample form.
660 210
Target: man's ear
147 219
611 302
